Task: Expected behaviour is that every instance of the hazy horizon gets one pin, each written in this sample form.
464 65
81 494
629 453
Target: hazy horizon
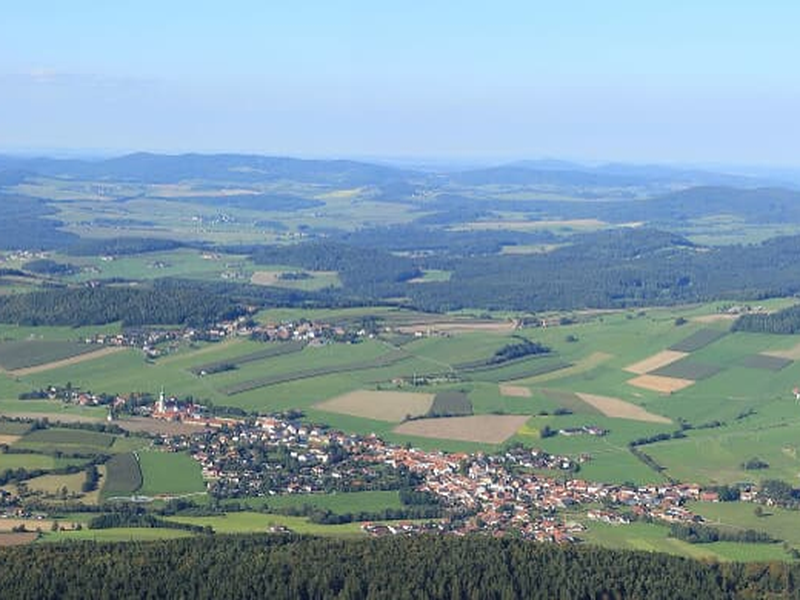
613 82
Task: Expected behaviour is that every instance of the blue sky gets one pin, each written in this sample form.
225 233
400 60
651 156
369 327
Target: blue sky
678 81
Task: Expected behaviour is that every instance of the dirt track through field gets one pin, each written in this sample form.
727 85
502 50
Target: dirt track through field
487 429
65 362
7 440
662 359
515 391
392 407
658 383
619 409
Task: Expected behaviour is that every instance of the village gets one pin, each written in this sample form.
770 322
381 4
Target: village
518 491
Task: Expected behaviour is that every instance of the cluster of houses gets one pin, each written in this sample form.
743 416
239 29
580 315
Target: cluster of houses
155 342
494 493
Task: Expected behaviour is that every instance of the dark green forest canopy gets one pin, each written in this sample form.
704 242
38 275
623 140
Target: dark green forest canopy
786 321
27 223
164 302
294 568
609 269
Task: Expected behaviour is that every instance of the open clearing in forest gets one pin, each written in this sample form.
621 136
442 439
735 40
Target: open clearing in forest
515 391
662 359
66 362
392 407
619 409
657 383
487 429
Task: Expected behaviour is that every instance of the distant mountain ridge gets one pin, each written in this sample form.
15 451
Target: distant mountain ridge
251 168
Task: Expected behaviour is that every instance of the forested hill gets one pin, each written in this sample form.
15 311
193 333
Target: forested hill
472 568
164 302
609 269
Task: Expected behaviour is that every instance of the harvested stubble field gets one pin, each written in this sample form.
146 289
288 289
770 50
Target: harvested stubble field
159 427
699 339
391 407
657 383
619 409
790 353
657 361
486 429
765 362
515 391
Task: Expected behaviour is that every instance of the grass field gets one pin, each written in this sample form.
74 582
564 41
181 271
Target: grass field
765 361
271 350
736 516
250 522
55 437
169 473
654 538
339 503
120 534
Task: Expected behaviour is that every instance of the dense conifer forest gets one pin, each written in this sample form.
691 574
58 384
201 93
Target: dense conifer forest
278 567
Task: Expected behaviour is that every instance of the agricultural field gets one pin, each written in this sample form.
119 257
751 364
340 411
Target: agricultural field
53 438
617 356
451 403
485 429
169 474
123 475
19 355
392 407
